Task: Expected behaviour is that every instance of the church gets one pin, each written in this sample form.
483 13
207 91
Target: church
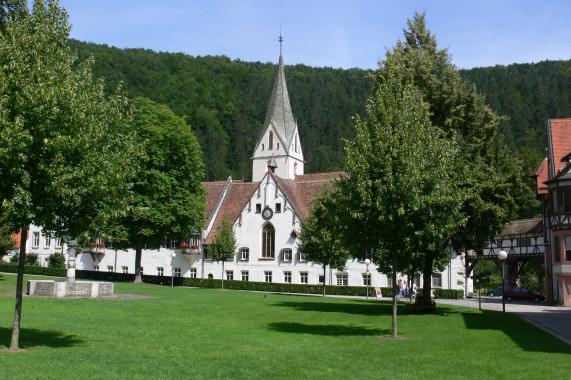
266 215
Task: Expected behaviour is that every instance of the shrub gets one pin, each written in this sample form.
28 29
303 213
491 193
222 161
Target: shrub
56 260
448 293
31 258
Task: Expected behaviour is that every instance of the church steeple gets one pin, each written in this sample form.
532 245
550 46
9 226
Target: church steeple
280 122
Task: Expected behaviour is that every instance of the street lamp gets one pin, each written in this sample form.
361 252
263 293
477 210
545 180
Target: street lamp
502 256
367 262
173 255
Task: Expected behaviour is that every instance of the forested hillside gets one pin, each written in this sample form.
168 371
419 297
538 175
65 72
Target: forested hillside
225 101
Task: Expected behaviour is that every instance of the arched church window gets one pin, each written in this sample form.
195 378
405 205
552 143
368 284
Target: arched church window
268 241
295 168
271 141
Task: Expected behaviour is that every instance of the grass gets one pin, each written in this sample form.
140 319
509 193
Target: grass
208 333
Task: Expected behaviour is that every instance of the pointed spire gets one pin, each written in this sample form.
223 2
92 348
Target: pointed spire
279 109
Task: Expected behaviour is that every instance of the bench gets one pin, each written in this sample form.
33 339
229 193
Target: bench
419 308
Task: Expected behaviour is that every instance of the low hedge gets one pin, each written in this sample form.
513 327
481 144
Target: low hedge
448 293
360 291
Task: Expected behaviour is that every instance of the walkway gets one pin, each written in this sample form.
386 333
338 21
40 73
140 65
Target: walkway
555 320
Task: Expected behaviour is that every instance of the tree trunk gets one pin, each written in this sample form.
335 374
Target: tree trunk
395 332
324 271
14 342
222 274
427 280
138 255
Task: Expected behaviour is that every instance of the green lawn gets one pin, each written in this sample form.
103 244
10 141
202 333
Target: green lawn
207 333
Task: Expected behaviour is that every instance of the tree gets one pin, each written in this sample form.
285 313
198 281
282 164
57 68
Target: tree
168 197
459 110
7 242
224 245
64 154
401 192
320 236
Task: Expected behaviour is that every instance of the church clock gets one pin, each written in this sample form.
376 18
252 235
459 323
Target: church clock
267 213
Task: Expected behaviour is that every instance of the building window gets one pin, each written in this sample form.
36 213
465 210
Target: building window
205 252
244 254
278 207
287 277
268 276
389 281
96 268
295 168
192 272
174 244
271 141
125 269
437 280
277 146
556 247
109 268
36 240
302 257
58 243
303 277
245 275
47 241
367 279
524 242
499 243
268 237
141 271
258 208
417 281
229 274
567 200
177 272
160 271
286 255
321 279
342 279
568 248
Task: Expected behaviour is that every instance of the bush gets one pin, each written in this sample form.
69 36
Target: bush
31 258
56 260
37 270
448 293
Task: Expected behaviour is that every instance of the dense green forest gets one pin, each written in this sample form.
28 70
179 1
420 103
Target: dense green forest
225 101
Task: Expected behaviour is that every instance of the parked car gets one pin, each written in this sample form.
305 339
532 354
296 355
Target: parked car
495 292
522 294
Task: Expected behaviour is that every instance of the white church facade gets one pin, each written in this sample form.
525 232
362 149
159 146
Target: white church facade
266 216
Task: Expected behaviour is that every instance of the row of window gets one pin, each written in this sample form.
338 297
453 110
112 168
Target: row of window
521 242
342 279
36 237
564 199
278 208
557 248
244 252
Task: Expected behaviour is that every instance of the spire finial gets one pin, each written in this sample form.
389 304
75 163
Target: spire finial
281 40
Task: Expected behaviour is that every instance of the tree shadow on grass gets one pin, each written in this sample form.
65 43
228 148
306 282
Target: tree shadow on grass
35 338
355 307
525 335
328 330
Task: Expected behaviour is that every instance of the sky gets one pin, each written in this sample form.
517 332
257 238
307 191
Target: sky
328 33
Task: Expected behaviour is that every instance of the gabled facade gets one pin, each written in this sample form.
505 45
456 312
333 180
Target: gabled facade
553 182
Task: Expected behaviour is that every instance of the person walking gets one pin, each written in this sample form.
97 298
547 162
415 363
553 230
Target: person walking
414 289
399 290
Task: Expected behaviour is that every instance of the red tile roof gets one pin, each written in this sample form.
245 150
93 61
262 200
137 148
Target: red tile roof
560 141
237 197
541 175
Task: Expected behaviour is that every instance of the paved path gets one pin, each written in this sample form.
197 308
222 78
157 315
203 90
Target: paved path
555 320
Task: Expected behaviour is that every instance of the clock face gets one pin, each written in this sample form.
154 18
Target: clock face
267 213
